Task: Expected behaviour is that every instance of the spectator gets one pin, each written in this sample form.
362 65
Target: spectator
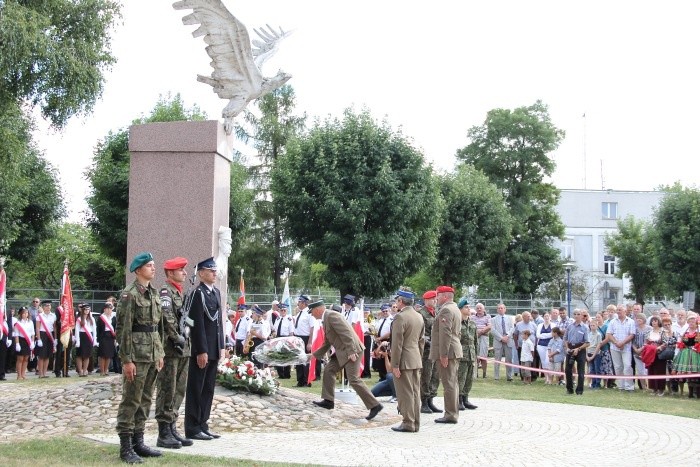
688 358
544 335
620 334
525 323
593 353
385 387
662 341
575 342
555 352
606 364
515 351
672 338
502 330
641 331
483 328
527 356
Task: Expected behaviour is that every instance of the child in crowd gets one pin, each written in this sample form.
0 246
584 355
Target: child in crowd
526 356
593 356
555 352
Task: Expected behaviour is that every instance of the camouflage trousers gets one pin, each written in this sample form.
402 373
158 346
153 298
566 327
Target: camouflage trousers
171 384
135 406
426 374
465 376
432 376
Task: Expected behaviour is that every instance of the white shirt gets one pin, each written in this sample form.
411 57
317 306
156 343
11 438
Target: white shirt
228 330
49 319
89 327
352 315
526 351
384 326
25 324
621 330
261 327
284 326
242 327
303 323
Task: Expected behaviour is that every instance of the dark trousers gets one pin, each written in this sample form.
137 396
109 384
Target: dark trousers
200 393
3 356
303 370
60 367
580 361
366 372
284 372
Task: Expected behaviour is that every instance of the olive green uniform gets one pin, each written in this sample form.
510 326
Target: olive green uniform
429 379
138 317
470 351
172 378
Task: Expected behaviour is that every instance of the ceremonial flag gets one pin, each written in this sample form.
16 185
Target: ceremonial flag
67 312
317 342
285 294
3 318
357 326
241 287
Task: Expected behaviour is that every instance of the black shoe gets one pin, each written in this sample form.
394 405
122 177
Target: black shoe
569 392
432 407
468 404
126 450
211 434
200 437
374 411
424 406
401 429
183 440
445 420
326 404
165 437
300 385
141 449
461 403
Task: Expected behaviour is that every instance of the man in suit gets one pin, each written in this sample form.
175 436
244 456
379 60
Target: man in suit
346 355
502 330
446 350
207 342
407 340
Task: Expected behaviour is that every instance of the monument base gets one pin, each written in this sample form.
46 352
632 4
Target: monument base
347 395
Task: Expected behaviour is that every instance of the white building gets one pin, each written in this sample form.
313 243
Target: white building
588 215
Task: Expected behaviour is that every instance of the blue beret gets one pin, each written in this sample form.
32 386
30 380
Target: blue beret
349 299
462 302
208 263
303 298
405 294
140 260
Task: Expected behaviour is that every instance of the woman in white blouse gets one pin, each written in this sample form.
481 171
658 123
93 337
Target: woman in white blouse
23 334
544 335
85 339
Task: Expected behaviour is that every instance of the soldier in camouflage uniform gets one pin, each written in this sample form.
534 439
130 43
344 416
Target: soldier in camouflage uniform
429 379
172 379
141 353
470 351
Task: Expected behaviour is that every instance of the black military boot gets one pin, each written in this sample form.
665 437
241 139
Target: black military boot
141 449
432 407
461 403
183 440
468 404
424 405
126 451
165 437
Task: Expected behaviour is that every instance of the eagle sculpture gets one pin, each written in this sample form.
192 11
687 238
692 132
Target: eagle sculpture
236 62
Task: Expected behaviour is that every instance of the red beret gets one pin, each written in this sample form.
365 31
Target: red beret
430 294
445 288
175 263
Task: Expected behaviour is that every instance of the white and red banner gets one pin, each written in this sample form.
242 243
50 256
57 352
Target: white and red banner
241 298
3 296
67 311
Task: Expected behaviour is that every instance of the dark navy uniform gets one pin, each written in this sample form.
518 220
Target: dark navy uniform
206 336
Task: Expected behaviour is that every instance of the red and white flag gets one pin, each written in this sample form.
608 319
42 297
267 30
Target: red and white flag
316 344
67 311
241 287
3 296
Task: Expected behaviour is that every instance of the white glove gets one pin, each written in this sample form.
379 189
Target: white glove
39 343
31 346
18 347
97 344
74 339
77 343
55 345
9 343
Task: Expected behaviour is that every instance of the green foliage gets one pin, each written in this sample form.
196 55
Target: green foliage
30 196
512 148
90 268
678 241
54 53
634 247
359 198
270 127
109 177
477 225
422 281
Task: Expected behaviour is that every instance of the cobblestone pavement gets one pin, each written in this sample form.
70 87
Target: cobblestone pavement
499 432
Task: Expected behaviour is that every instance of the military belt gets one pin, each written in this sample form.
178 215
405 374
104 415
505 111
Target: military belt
143 328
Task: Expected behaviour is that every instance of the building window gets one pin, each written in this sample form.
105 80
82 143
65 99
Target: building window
609 210
567 250
609 265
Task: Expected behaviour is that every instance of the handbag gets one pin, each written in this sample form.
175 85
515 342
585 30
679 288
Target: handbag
666 354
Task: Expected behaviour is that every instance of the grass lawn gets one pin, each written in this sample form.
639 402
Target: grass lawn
612 398
70 451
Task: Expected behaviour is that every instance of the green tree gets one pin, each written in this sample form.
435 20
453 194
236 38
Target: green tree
109 178
477 225
268 128
90 268
54 53
357 197
678 241
512 148
634 246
